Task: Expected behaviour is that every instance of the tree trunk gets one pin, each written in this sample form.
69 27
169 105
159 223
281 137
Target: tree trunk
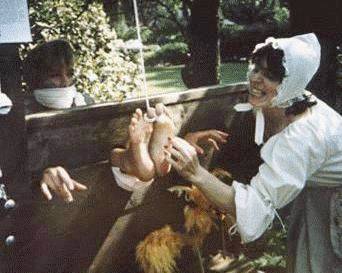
323 18
111 7
116 11
203 66
12 156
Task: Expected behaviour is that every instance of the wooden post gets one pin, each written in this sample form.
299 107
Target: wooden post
203 66
12 132
12 151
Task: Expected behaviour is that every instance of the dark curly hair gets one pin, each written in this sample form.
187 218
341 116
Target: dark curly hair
300 107
43 58
274 61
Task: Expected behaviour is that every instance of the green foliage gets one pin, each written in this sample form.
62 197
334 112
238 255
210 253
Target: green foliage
275 251
255 20
281 15
101 69
269 252
248 12
171 53
161 21
130 33
233 31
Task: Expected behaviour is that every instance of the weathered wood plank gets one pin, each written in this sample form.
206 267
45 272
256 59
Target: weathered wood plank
101 229
82 136
12 133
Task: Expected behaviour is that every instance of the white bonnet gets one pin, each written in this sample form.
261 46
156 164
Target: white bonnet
302 54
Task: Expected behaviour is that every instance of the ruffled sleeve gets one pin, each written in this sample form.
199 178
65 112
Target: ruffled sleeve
253 214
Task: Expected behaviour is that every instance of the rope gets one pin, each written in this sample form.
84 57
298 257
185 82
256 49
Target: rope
142 64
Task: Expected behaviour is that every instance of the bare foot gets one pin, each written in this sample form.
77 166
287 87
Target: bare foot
135 160
163 128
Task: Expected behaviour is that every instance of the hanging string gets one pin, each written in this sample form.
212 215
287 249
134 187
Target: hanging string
142 65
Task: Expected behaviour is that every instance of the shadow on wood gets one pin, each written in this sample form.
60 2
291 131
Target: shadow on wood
100 230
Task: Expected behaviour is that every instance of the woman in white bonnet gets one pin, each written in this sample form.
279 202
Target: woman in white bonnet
302 160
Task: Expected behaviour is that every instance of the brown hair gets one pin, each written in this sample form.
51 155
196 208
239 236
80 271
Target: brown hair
274 60
42 58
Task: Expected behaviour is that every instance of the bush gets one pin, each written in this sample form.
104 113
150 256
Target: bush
101 69
130 33
238 41
171 53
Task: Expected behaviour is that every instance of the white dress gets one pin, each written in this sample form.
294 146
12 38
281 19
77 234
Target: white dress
302 162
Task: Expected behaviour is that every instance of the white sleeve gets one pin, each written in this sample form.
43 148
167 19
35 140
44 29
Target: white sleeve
289 159
253 214
129 182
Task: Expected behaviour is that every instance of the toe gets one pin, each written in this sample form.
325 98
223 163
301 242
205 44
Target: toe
139 113
160 108
151 112
168 113
131 129
134 121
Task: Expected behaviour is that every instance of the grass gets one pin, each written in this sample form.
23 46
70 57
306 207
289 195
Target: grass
168 79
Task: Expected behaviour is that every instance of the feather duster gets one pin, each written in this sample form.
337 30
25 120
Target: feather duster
157 253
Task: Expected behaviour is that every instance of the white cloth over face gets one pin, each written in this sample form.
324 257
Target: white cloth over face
5 104
129 182
306 153
301 61
59 98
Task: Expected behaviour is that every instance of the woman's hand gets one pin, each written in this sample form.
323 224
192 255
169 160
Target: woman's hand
183 157
58 180
213 137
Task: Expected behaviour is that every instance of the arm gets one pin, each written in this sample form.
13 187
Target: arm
183 157
216 191
289 161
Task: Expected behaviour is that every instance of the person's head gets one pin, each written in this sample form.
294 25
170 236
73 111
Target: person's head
265 73
280 69
49 65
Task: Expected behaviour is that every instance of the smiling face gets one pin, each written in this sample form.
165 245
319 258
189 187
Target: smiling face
262 84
